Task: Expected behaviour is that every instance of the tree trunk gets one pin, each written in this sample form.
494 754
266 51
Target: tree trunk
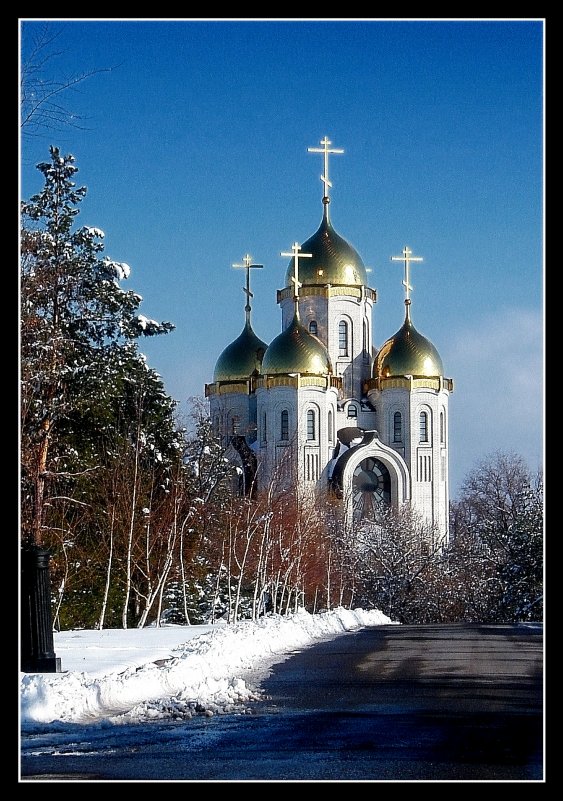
108 573
130 544
39 500
183 574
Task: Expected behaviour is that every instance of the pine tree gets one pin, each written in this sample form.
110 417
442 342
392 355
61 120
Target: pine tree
79 329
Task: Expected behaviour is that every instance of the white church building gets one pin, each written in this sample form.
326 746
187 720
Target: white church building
321 405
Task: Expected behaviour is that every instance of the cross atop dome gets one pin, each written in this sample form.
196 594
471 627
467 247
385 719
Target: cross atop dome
407 258
248 266
296 247
325 150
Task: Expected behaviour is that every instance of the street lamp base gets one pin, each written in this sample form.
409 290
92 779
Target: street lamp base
45 665
37 644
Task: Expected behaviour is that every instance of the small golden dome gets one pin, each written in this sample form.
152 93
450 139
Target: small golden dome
334 261
242 358
408 353
296 350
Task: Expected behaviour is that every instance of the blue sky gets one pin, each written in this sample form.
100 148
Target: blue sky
194 152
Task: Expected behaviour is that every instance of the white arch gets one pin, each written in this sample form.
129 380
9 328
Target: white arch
394 462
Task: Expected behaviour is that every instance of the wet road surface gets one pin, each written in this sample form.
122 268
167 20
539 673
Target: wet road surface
460 702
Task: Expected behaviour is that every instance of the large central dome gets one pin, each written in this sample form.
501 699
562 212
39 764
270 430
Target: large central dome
334 260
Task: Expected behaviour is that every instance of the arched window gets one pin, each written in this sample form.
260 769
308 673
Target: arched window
424 427
442 428
313 329
330 426
365 343
343 338
311 432
264 428
397 427
284 425
352 410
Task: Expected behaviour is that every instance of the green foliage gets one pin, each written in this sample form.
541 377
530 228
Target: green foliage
82 375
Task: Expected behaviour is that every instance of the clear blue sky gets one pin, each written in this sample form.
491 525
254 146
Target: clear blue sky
195 153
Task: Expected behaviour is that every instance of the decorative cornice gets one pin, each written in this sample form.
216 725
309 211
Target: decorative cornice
410 383
229 388
299 381
329 291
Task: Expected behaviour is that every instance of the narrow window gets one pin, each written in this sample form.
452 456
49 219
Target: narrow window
310 424
352 410
442 428
313 327
423 427
365 339
264 429
330 427
397 427
284 428
234 424
343 338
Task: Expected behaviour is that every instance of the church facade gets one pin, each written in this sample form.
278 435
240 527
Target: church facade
321 405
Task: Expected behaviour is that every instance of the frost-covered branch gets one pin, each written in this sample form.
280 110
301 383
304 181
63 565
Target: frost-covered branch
41 109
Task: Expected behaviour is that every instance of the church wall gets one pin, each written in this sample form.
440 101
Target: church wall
310 455
316 453
233 414
355 364
353 414
312 308
427 458
427 461
389 403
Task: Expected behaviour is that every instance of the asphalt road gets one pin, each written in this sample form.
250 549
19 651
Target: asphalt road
459 702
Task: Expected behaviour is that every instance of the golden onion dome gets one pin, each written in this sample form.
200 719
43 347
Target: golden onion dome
296 350
334 260
242 358
408 353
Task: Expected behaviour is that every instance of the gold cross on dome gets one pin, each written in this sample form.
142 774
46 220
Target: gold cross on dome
407 258
296 255
325 150
248 266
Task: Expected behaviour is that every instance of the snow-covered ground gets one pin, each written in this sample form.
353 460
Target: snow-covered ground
138 675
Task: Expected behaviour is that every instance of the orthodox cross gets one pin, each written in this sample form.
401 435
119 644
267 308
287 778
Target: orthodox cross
406 258
248 266
296 255
325 150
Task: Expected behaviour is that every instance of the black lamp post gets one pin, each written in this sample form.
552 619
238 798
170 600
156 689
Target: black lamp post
37 644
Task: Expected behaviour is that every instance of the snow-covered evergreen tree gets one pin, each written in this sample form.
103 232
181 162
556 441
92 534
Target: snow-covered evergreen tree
79 329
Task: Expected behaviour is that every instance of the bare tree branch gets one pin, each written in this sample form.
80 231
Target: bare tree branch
41 109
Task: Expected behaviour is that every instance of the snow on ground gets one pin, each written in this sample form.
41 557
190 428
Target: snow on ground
137 675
